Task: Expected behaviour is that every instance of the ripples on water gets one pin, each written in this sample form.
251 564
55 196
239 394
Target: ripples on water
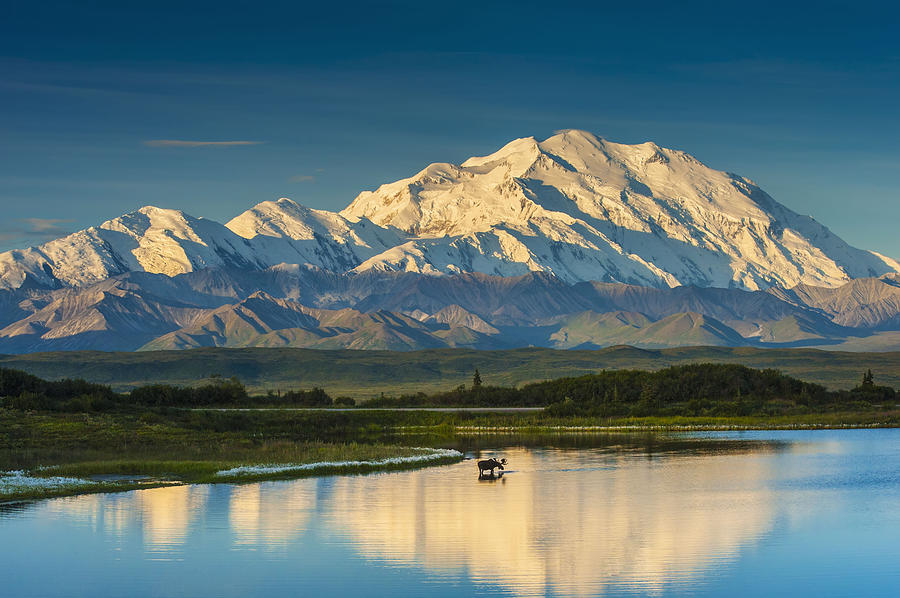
763 513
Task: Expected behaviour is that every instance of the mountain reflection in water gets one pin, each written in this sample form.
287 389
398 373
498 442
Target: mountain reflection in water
563 522
595 517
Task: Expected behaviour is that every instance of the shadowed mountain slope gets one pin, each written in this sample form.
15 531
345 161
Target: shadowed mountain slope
303 307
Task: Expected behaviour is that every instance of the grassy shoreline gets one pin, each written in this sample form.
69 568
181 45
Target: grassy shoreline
152 449
80 478
820 421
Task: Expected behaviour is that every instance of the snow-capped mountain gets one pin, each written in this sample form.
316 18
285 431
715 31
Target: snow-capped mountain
574 206
584 208
171 242
150 240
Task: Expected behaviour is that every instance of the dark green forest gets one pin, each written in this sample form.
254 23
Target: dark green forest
695 389
704 389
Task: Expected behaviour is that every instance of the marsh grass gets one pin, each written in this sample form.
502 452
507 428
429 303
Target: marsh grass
884 419
166 450
189 447
351 458
197 470
26 494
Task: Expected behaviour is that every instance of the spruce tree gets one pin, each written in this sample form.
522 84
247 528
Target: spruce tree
868 379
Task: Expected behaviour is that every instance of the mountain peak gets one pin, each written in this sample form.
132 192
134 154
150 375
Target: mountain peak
151 220
576 136
154 210
585 208
285 218
519 152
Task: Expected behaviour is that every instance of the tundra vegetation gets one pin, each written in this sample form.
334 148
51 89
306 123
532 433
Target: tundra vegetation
159 434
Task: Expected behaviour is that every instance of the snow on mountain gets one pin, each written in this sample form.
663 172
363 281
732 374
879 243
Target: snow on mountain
574 206
283 231
171 242
584 208
151 239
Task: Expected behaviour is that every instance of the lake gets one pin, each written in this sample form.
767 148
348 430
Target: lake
775 513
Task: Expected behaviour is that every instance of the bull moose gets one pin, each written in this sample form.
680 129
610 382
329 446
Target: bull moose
490 465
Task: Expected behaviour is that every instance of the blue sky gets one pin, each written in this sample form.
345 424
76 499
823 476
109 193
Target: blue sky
337 98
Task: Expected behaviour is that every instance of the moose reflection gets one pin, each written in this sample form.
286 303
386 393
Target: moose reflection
490 465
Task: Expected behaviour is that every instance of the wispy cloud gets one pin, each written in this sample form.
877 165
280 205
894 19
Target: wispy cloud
34 230
302 178
192 143
44 225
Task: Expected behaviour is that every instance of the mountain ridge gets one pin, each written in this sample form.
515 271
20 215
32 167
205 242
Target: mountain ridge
575 206
573 241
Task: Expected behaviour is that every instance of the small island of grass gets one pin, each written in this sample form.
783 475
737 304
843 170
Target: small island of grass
82 472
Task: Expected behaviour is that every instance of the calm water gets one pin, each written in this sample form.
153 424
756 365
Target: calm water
750 514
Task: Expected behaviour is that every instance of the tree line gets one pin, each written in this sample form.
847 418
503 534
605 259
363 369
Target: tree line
23 391
694 389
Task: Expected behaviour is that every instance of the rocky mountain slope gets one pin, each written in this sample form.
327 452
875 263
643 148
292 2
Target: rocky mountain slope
307 307
863 303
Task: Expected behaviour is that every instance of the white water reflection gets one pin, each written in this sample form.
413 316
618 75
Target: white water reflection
267 515
270 515
162 515
604 521
167 513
